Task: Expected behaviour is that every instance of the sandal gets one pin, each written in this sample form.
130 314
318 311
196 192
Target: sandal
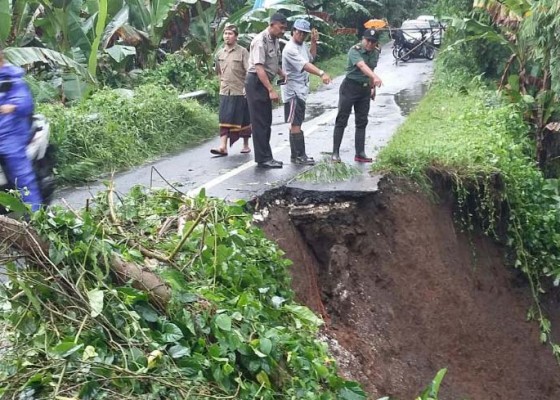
219 152
245 151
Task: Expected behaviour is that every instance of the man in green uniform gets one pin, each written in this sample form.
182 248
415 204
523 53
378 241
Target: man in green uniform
357 90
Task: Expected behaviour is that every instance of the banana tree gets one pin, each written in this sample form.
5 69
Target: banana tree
22 56
16 28
150 21
531 75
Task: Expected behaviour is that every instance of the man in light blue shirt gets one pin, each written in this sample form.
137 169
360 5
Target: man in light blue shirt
297 60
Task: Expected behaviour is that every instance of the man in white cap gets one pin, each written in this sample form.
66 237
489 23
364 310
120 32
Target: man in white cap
297 60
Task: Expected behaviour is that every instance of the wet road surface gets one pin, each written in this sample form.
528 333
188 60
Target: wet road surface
237 177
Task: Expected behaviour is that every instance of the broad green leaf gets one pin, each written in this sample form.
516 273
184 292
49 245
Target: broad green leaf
352 391
99 28
171 332
95 298
119 53
29 55
89 391
11 202
5 20
146 312
304 314
73 86
265 346
66 349
263 379
178 351
227 369
224 322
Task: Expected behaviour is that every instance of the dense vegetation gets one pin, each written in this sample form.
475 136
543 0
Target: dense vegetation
210 314
111 130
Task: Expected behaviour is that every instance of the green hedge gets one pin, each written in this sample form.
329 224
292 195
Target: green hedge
111 131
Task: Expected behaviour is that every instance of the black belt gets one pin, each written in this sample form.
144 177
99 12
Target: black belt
361 84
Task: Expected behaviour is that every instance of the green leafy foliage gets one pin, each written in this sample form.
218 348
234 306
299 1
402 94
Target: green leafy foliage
186 72
326 171
76 331
113 131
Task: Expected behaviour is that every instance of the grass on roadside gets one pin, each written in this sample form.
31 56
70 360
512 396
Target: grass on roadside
111 132
466 134
325 171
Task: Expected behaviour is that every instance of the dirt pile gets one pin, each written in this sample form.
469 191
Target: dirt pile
405 293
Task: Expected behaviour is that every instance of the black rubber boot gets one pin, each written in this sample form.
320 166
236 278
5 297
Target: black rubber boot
360 142
299 144
337 140
303 148
292 147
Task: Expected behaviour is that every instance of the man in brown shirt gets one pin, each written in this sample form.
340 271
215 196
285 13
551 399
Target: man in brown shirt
232 62
264 65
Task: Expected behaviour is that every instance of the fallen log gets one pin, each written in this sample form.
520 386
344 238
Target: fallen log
19 236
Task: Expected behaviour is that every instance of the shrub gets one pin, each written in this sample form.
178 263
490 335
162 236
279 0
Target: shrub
185 72
112 131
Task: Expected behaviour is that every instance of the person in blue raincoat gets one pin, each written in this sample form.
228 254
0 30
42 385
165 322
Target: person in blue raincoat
16 110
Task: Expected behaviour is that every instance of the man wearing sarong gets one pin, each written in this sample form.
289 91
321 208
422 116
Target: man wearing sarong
232 62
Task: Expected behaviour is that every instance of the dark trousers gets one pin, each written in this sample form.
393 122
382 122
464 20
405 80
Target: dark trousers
260 109
352 94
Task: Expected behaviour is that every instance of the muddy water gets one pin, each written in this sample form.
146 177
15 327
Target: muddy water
408 99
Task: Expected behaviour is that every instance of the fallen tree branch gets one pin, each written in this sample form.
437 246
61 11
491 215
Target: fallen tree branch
26 241
19 236
142 279
115 220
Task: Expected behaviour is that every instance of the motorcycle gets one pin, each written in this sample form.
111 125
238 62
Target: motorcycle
42 155
404 50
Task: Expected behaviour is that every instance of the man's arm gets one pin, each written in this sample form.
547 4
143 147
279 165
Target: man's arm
312 69
245 58
367 71
18 101
263 77
217 68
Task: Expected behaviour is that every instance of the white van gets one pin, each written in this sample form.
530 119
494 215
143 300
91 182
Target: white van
412 30
436 27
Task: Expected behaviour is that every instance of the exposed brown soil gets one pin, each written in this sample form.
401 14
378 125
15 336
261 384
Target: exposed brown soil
405 293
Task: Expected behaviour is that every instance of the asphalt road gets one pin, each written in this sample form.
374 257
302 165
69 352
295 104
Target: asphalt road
236 176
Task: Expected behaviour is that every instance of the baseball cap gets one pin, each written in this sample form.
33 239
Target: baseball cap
302 25
371 34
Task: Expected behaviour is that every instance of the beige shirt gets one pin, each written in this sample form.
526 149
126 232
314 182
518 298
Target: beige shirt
265 50
232 64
